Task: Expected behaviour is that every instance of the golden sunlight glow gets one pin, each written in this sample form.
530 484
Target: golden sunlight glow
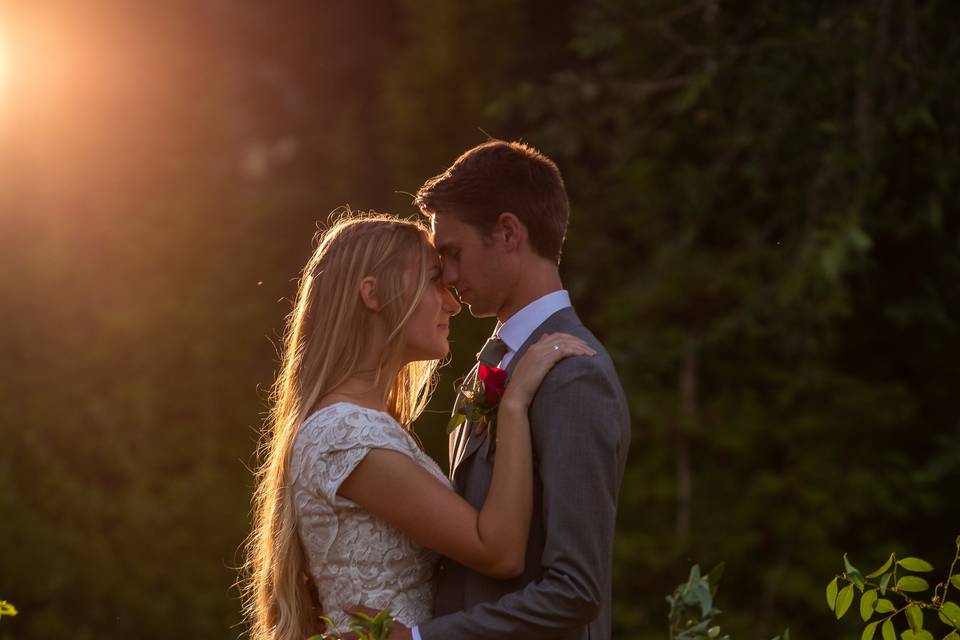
6 61
4 64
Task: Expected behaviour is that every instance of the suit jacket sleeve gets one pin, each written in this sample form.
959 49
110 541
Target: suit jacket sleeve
575 420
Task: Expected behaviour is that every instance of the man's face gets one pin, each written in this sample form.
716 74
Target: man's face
475 266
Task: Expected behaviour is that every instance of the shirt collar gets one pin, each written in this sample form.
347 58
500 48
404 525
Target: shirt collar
518 327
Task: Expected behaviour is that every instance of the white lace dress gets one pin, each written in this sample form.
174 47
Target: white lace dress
354 556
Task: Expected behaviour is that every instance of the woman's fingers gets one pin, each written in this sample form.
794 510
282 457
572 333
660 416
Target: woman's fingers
563 345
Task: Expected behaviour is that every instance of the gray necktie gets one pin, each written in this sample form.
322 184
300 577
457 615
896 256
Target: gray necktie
492 352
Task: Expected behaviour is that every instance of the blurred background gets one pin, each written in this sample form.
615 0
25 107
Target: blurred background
764 233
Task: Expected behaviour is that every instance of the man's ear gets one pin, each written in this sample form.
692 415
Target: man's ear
513 231
368 293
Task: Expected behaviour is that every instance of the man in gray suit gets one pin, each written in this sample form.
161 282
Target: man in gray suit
499 216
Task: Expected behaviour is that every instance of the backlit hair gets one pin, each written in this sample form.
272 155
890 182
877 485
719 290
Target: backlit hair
497 177
326 334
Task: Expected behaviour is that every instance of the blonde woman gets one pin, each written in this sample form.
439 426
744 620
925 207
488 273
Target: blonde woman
346 500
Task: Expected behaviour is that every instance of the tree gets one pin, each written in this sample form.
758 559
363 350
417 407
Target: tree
757 196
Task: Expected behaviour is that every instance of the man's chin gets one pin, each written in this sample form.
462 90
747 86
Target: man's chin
478 311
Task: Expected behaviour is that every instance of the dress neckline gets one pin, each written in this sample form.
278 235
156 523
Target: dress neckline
351 404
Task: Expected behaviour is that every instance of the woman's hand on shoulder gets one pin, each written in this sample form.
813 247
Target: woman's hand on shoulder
536 362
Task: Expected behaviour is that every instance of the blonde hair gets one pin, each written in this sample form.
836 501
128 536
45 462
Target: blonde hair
326 334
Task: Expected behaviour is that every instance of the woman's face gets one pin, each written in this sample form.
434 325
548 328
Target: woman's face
426 332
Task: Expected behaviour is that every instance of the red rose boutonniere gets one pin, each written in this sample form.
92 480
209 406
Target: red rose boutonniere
478 402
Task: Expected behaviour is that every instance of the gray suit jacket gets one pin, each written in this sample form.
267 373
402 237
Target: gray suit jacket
581 432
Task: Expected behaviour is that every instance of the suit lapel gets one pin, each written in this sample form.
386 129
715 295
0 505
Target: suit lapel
459 435
562 320
473 441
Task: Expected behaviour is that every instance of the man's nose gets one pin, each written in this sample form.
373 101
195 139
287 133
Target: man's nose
449 275
450 304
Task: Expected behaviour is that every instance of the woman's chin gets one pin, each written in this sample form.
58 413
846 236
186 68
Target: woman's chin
437 353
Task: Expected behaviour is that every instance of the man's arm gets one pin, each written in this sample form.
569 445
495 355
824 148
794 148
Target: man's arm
576 418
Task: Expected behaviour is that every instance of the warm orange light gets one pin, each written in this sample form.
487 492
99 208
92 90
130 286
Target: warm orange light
4 64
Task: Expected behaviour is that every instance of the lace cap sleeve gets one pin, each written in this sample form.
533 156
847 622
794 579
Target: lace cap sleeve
332 443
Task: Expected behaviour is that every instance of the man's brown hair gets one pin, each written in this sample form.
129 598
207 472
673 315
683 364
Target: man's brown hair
496 177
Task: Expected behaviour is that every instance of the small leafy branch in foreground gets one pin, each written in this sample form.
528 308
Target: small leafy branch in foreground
364 627
7 609
691 607
875 587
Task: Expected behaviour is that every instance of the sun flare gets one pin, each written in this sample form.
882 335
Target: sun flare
4 64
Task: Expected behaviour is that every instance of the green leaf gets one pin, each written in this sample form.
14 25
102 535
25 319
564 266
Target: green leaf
886 565
884 581
7 609
847 566
951 636
912 584
844 599
916 635
950 614
456 420
887 630
914 617
884 606
701 592
869 630
915 564
714 577
853 573
832 594
867 601
955 580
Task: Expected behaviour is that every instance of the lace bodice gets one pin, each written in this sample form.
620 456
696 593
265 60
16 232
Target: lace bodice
354 556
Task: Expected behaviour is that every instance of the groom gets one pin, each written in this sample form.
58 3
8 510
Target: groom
499 217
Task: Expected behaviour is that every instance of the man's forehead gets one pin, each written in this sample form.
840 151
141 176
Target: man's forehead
444 232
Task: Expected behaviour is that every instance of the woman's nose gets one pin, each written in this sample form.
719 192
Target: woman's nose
450 303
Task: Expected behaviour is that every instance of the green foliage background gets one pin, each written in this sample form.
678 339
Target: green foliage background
764 234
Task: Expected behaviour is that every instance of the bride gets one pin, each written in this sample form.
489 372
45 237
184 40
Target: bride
347 503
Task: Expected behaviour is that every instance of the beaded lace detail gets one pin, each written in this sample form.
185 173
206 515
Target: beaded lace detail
354 556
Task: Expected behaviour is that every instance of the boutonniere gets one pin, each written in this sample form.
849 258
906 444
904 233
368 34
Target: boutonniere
480 399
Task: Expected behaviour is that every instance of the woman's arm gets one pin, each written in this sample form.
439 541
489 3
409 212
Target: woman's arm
492 541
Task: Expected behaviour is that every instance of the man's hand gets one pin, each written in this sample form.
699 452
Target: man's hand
397 630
